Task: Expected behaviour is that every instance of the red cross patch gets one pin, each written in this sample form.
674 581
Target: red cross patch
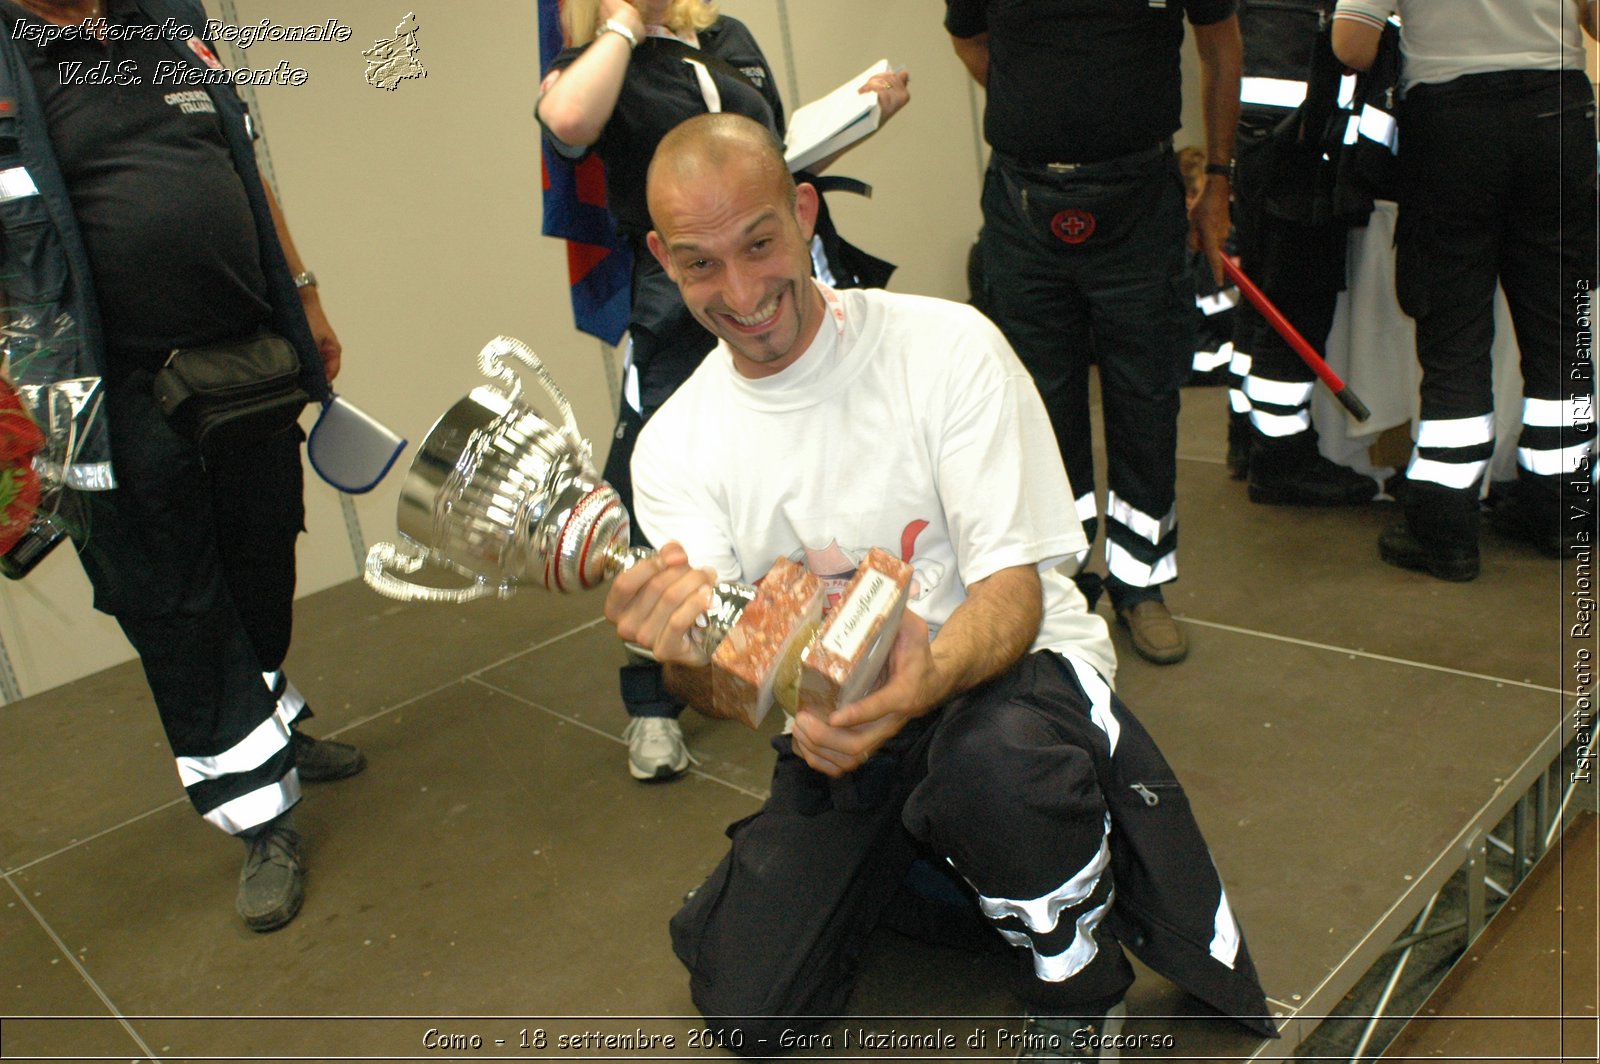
1072 226
207 56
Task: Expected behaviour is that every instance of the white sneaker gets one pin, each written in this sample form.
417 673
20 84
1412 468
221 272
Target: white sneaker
656 750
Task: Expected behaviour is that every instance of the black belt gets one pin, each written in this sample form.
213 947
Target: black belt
1131 161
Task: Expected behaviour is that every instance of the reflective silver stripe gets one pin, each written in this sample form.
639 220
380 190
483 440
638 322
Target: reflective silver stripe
1224 933
1237 401
1544 413
1381 127
1099 693
1084 504
91 476
1241 362
16 183
1352 129
1458 475
1040 915
257 807
255 749
1280 425
1347 92
1143 525
1278 393
1131 570
1554 461
1065 965
1217 302
1206 361
291 703
1272 92
1456 432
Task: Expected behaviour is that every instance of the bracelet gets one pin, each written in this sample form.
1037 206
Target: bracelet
305 279
611 25
1223 170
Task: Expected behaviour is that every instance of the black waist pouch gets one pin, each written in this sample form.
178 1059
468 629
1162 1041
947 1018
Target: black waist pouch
230 395
1091 205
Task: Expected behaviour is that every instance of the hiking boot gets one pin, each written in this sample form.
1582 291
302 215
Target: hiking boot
656 750
1398 546
1515 518
321 760
1305 478
272 883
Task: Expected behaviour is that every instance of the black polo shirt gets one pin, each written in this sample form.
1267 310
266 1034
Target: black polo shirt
165 220
1081 80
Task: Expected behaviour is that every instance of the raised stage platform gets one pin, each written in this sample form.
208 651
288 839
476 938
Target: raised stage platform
1348 733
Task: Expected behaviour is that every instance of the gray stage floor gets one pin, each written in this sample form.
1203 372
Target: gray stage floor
495 873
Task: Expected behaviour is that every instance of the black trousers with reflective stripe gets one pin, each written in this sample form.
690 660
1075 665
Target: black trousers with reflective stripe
1498 184
1118 298
196 563
1008 783
1298 265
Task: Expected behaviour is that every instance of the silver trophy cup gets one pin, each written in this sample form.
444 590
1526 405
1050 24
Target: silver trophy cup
498 495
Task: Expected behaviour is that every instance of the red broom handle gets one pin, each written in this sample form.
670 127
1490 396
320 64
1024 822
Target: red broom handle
1308 354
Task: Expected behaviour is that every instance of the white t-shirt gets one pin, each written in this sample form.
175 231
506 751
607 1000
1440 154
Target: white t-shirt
1441 40
908 424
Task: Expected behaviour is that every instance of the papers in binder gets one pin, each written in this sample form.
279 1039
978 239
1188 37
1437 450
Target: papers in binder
833 122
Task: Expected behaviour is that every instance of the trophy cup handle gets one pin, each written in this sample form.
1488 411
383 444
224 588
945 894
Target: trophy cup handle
491 361
384 557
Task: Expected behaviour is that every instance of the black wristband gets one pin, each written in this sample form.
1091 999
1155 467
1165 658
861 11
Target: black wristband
1222 170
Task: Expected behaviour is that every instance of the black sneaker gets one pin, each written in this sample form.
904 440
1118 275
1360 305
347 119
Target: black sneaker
1399 547
272 883
1073 1037
1309 480
322 760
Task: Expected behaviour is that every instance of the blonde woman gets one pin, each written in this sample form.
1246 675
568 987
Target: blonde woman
630 73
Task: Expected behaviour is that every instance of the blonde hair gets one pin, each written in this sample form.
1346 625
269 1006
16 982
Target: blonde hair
581 18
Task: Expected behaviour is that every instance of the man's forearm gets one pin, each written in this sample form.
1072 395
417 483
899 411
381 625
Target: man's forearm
988 632
1221 65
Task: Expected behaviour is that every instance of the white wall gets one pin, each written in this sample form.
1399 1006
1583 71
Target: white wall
418 208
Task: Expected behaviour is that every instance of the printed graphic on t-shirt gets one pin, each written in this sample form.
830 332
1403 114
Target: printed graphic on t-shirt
835 565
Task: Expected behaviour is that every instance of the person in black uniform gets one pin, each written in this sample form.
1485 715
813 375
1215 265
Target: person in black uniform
632 72
136 208
1497 185
1292 244
1083 245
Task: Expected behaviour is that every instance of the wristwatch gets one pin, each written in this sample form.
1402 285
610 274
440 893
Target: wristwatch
305 279
1227 170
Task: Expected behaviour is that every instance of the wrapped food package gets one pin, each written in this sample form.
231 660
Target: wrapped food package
848 655
772 631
